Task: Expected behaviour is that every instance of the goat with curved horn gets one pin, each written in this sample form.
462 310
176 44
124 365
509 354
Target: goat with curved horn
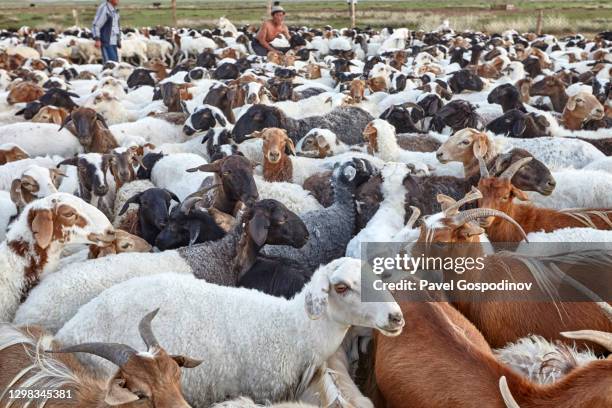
506 394
118 354
146 331
477 213
602 338
484 171
452 208
514 167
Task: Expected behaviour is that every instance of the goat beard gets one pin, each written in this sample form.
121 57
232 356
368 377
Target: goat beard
279 171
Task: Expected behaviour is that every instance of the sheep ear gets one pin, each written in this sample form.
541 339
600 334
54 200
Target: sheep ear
518 127
258 228
172 195
214 167
571 104
321 141
42 227
101 119
186 362
480 146
220 119
116 394
16 192
289 147
520 194
317 296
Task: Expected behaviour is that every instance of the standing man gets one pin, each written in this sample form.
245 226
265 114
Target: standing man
106 31
269 30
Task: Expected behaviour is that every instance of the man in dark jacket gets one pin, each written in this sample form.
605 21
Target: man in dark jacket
106 30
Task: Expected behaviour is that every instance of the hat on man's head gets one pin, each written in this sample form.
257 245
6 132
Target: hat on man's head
277 8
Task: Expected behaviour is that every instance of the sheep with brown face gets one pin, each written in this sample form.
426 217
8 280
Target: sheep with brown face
91 130
277 146
11 152
581 108
357 89
51 114
24 92
124 242
35 182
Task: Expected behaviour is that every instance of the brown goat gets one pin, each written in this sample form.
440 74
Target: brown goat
91 130
581 108
10 153
406 369
377 84
149 379
24 92
552 87
499 192
312 71
277 146
51 114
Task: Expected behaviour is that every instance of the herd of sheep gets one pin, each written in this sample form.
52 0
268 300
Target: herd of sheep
208 207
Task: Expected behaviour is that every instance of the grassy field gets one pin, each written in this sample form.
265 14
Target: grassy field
560 16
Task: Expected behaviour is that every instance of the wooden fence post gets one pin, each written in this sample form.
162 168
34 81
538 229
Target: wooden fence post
174 20
539 23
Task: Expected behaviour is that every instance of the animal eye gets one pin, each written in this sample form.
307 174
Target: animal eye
465 142
505 198
227 173
125 246
341 288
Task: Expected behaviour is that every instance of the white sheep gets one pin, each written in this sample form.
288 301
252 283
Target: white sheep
293 196
12 170
156 131
321 140
170 172
604 164
35 241
577 189
255 345
40 139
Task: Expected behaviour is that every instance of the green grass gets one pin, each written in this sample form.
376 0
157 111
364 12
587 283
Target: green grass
561 16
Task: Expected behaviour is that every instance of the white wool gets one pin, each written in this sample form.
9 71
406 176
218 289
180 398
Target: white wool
42 176
127 191
577 189
529 354
389 150
293 196
40 139
156 131
252 149
573 89
556 153
336 145
604 164
340 44
389 219
193 145
170 173
80 282
7 211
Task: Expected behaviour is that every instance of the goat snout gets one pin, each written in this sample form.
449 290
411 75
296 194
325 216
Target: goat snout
100 190
188 130
597 113
440 156
104 239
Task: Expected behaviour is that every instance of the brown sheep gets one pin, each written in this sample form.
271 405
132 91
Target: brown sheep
51 114
24 92
581 108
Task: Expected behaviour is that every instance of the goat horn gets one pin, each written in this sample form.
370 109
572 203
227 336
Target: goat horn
602 338
416 213
484 171
473 195
146 332
413 105
118 354
476 213
514 167
506 394
188 204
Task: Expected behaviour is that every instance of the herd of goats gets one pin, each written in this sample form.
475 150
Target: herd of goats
198 206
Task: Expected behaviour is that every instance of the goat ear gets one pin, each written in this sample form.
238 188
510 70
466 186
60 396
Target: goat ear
220 119
65 122
480 146
73 161
289 147
172 195
520 194
101 119
469 229
184 108
317 296
321 141
42 227
186 362
258 228
518 127
117 394
571 104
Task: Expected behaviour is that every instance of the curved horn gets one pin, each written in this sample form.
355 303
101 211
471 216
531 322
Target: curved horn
101 119
72 161
413 105
172 195
118 354
484 171
514 167
473 195
416 213
477 213
602 338
146 332
188 204
506 394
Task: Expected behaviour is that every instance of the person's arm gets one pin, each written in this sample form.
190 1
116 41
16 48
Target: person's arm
98 22
286 32
261 37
